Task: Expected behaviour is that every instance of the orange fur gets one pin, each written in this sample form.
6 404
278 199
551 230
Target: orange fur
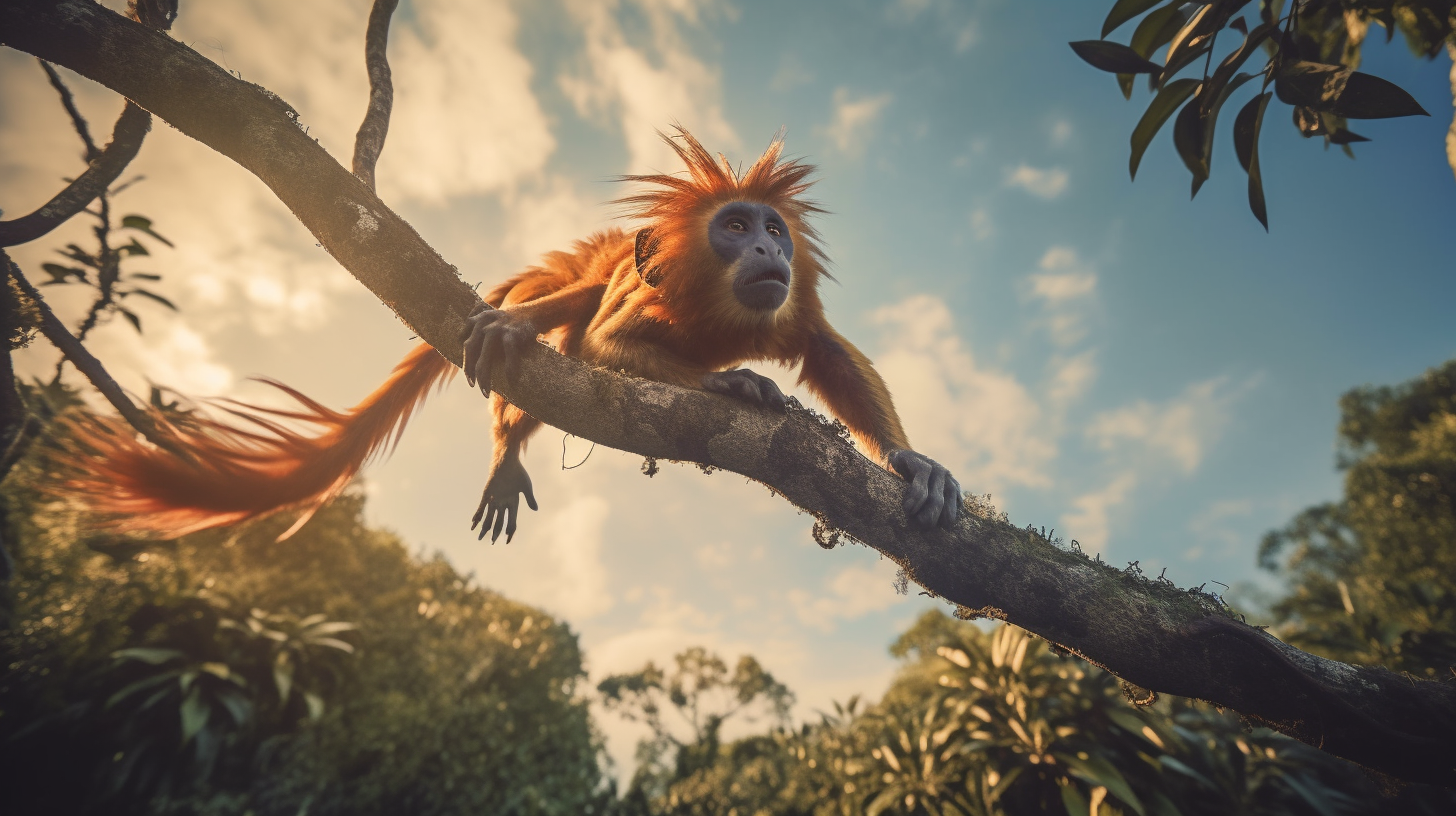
591 302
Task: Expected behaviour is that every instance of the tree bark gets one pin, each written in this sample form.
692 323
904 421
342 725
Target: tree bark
1150 633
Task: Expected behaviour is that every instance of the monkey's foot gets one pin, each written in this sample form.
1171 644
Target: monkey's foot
933 495
495 341
500 504
746 385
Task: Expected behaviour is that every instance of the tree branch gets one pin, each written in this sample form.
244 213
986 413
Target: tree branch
369 142
86 363
1147 632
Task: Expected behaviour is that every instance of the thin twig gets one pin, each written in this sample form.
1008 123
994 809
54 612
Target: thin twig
56 332
77 120
126 139
369 142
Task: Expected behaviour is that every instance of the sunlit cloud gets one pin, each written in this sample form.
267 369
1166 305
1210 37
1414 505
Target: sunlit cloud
644 87
1048 183
1179 431
1090 520
854 117
850 593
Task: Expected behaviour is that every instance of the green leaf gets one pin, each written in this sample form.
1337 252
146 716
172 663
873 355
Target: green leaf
1168 99
136 322
1236 59
1325 800
1345 137
315 705
81 256
283 679
1158 28
238 706
1188 140
134 248
1126 720
1114 58
195 713
131 689
1073 801
60 273
143 224
331 628
1177 765
154 296
1125 10
1099 771
1246 142
334 643
156 657
1124 84
1315 85
1188 37
1370 97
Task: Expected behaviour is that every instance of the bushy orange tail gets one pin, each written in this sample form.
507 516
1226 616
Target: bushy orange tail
241 473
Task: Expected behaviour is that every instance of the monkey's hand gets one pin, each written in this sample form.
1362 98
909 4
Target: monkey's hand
501 502
933 495
494 342
746 385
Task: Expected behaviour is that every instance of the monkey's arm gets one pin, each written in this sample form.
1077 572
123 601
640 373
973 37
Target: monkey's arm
842 376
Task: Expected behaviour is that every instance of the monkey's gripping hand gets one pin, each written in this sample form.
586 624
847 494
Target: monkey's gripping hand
494 343
933 495
746 385
500 504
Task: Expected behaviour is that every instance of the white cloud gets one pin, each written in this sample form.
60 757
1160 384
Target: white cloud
983 424
1179 431
981 226
851 593
1061 132
561 571
648 88
1065 289
854 116
1090 520
548 217
1047 183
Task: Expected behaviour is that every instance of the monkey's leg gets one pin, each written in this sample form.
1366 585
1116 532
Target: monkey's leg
500 503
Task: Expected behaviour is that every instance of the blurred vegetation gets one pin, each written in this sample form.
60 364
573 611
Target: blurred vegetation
228 673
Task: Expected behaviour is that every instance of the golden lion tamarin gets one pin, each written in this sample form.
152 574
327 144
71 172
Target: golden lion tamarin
726 270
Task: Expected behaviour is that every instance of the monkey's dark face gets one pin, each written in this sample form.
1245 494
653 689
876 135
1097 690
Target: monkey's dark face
754 242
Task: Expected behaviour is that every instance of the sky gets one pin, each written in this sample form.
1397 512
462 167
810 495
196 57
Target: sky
1152 376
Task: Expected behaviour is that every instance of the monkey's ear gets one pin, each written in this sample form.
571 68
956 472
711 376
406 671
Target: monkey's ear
646 248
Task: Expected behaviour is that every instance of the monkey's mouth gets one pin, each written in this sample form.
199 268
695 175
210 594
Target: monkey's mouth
773 274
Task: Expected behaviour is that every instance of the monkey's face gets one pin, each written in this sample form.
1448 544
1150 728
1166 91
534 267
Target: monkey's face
753 241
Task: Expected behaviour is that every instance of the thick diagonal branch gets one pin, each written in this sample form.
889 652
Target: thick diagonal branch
1147 632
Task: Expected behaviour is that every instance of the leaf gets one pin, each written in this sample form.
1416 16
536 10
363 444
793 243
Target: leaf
1157 29
315 705
1114 58
1327 801
332 627
131 689
194 713
335 643
1188 140
1308 121
1099 771
1073 800
1344 137
1222 75
1247 145
134 248
283 679
1126 720
81 256
60 273
1177 765
136 322
240 708
143 224
154 296
1188 37
1168 99
1187 57
1210 114
1123 11
1124 84
1240 26
144 276
156 657
1370 97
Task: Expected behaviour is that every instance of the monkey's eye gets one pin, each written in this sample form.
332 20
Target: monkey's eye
773 229
735 225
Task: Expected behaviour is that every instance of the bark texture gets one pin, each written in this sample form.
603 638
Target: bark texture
1148 632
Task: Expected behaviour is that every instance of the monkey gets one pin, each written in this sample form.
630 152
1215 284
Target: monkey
725 271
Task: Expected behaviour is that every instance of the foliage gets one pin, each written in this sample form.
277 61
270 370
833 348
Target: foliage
1311 53
996 723
214 674
678 774
1372 577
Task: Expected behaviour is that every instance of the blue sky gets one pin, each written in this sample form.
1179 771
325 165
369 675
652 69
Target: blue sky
1152 376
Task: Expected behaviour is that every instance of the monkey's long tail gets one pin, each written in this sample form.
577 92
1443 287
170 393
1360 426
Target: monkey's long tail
240 471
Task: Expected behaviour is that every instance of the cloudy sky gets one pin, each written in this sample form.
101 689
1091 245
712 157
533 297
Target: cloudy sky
1153 377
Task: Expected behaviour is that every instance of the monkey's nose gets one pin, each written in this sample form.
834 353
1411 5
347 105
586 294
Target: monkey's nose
760 250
